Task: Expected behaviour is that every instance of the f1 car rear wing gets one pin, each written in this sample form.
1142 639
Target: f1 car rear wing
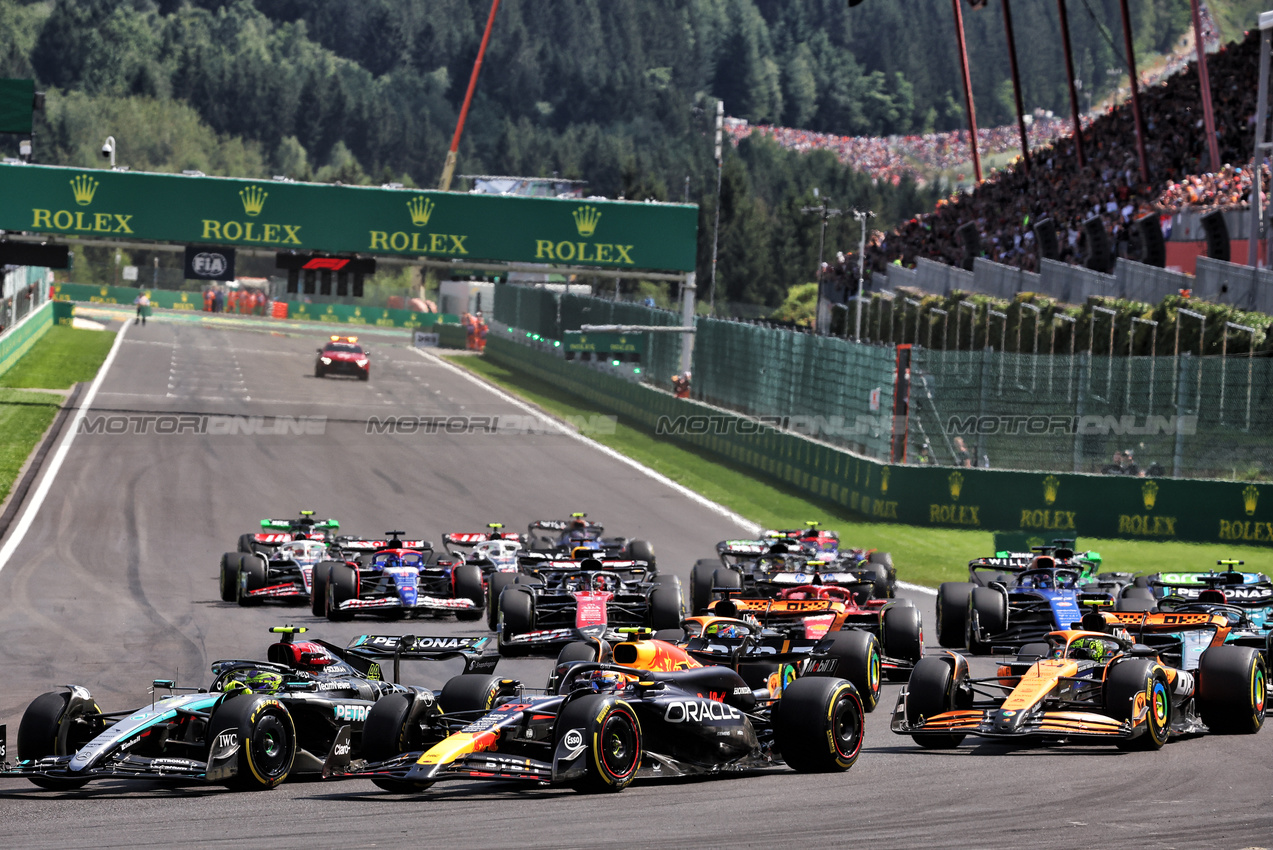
306 520
468 539
1238 588
542 562
742 548
591 527
476 651
392 540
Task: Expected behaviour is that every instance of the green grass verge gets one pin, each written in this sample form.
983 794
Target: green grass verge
24 417
925 556
62 357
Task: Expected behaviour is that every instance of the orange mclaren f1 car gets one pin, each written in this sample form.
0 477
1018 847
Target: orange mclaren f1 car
1085 685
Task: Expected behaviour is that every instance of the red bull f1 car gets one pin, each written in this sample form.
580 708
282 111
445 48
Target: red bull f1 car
605 725
257 724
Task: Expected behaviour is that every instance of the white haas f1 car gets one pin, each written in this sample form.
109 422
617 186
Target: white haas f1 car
285 572
552 602
397 579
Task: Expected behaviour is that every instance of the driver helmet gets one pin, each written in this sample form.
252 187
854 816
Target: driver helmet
251 680
1089 649
600 582
729 630
600 681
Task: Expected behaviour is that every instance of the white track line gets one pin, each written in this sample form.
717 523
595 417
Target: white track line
749 526
33 506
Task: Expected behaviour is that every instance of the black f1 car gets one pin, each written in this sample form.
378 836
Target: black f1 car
790 558
580 537
555 602
258 723
604 726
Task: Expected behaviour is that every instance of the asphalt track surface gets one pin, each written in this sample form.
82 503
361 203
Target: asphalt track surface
115 584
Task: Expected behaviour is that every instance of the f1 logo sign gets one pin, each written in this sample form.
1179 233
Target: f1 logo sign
333 263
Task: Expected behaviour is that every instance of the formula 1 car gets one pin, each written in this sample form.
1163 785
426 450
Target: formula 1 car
605 725
888 633
1252 592
342 355
1014 600
1084 685
492 550
766 657
580 537
285 572
276 532
258 723
551 602
787 558
398 579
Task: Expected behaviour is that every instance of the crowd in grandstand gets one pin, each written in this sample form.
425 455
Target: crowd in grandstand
1007 204
1110 184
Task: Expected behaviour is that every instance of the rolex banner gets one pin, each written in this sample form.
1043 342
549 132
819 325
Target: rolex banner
209 263
287 216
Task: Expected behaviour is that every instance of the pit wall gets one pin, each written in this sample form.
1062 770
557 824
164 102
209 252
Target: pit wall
18 340
1041 505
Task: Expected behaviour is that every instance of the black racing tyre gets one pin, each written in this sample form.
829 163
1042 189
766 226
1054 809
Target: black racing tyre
228 576
247 543
818 725
666 608
495 585
880 558
577 650
701 585
318 587
1127 680
253 575
903 633
1133 605
342 586
881 587
266 737
52 726
642 550
931 691
952 612
1133 591
988 614
516 612
319 371
390 730
1032 652
728 579
470 694
609 730
857 654
1232 686
468 585
364 375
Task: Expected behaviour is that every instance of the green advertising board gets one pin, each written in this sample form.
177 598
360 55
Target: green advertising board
603 343
285 216
343 314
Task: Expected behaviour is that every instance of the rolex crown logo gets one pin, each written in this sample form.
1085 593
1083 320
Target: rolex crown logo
421 209
1149 491
84 187
1250 496
253 198
586 219
1050 485
884 474
956 481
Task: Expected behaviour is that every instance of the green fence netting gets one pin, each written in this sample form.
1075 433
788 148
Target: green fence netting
830 389
1186 417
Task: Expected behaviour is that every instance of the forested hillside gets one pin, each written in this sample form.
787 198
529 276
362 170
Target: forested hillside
618 93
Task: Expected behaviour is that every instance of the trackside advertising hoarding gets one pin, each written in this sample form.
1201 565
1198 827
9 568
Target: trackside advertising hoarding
289 216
